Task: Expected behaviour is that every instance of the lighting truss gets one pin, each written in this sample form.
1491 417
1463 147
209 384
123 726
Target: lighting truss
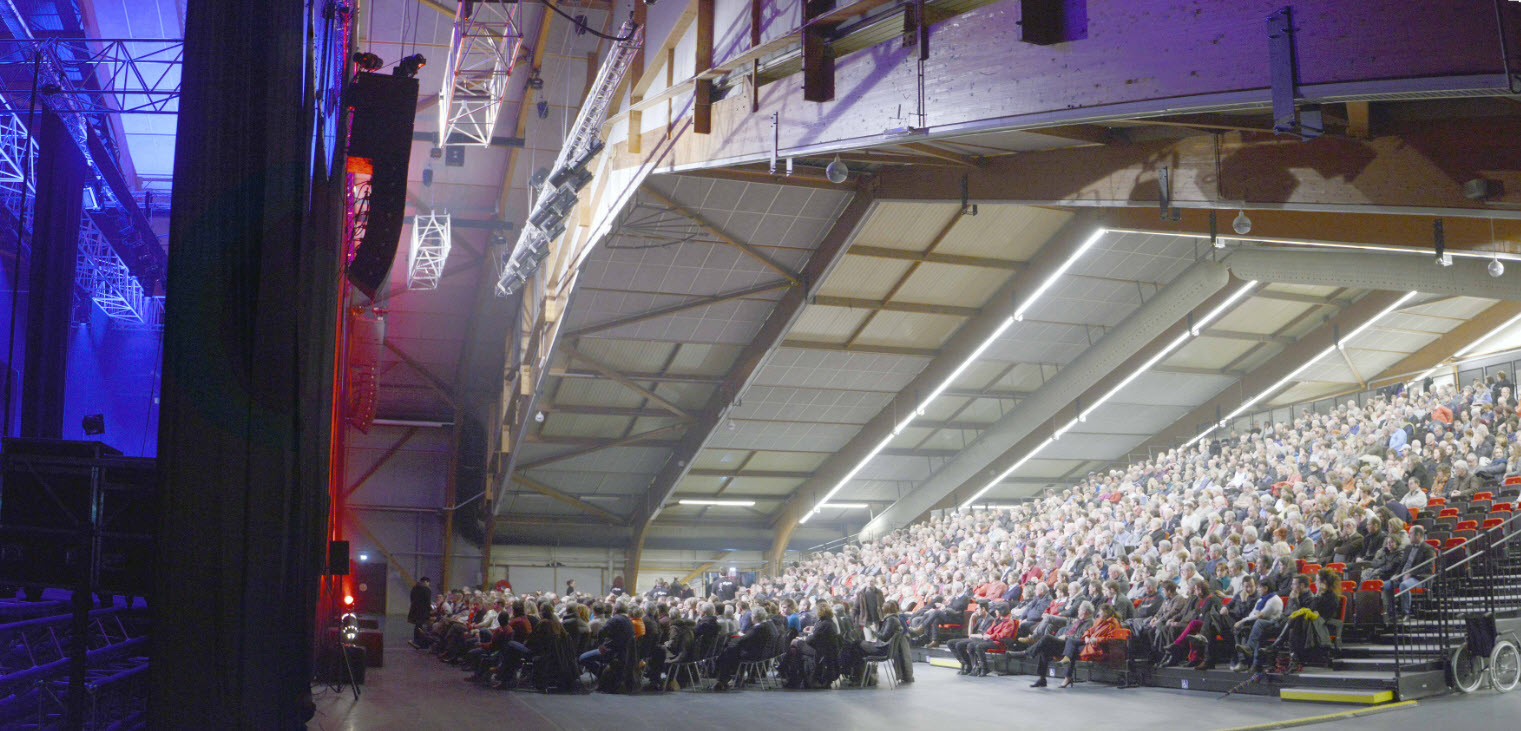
95 76
482 51
554 204
431 236
13 149
105 279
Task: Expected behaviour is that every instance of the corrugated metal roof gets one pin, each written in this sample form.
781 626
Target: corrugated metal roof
944 284
905 225
864 276
1208 352
1261 316
826 324
909 329
1003 231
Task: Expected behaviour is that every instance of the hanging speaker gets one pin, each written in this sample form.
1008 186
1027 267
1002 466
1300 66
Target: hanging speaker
338 558
380 146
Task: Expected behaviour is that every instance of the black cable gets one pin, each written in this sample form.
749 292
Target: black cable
581 23
26 182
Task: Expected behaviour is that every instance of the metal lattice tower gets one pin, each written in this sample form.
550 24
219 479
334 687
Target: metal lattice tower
102 274
482 52
431 237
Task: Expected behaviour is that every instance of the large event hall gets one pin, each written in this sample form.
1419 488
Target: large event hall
760 364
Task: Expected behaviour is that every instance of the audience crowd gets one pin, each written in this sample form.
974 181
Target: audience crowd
1166 556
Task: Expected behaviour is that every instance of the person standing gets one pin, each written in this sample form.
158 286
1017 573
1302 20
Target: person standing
421 607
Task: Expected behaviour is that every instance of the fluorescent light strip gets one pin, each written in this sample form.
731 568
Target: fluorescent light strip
966 363
1167 349
1486 337
1270 390
1407 250
1183 337
720 503
1019 314
845 506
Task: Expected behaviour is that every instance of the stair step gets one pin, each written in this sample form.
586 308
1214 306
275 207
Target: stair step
1335 695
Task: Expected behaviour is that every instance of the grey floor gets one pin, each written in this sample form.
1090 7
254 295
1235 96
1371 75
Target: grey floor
415 691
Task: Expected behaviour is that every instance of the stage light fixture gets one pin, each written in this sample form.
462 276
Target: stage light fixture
410 65
94 424
368 61
1496 269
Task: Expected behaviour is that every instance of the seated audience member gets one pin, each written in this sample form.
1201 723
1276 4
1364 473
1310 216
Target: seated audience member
1412 568
1261 622
981 621
1067 641
753 645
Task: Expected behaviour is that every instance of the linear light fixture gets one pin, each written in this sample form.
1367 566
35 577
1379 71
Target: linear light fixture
720 503
987 342
845 506
1270 390
1469 348
1183 337
1408 250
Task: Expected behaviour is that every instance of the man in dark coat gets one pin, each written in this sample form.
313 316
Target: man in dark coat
868 608
418 612
754 644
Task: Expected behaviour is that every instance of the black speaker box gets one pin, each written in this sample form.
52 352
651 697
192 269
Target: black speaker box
369 588
338 558
380 143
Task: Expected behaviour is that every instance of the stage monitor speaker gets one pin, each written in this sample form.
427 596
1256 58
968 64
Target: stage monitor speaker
369 587
338 558
380 145
330 668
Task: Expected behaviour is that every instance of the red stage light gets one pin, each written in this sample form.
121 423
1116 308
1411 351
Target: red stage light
348 598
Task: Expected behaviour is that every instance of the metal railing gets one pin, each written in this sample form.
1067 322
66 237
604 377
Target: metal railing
1473 570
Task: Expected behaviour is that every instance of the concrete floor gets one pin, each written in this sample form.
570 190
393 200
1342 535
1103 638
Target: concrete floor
415 691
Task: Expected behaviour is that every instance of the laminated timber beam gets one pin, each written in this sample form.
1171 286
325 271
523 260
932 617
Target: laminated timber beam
1170 63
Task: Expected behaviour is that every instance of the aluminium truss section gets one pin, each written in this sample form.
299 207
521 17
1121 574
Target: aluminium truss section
100 76
13 171
482 51
431 237
102 276
588 128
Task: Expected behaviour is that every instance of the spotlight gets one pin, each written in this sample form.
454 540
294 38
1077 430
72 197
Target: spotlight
539 417
731 425
410 65
1242 224
96 423
1496 268
837 171
350 628
368 61
348 600
364 557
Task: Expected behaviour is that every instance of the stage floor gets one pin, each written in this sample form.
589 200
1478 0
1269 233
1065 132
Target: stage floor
415 691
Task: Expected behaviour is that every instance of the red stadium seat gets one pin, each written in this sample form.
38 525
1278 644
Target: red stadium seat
1448 513
1483 496
1492 523
1501 508
1437 501
1372 585
1467 525
1348 586
1309 568
1434 544
1338 567
1414 513
1453 543
1513 480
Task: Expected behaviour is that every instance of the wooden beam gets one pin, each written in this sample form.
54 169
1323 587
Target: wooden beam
385 457
678 32
694 573
702 91
1320 227
604 411
708 226
601 445
858 303
861 348
572 501
678 307
773 474
608 372
438 385
929 150
1440 350
981 262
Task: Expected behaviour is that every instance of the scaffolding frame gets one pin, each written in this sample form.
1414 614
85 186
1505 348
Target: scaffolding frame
482 52
431 239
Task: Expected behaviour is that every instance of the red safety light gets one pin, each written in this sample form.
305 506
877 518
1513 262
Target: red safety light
348 599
